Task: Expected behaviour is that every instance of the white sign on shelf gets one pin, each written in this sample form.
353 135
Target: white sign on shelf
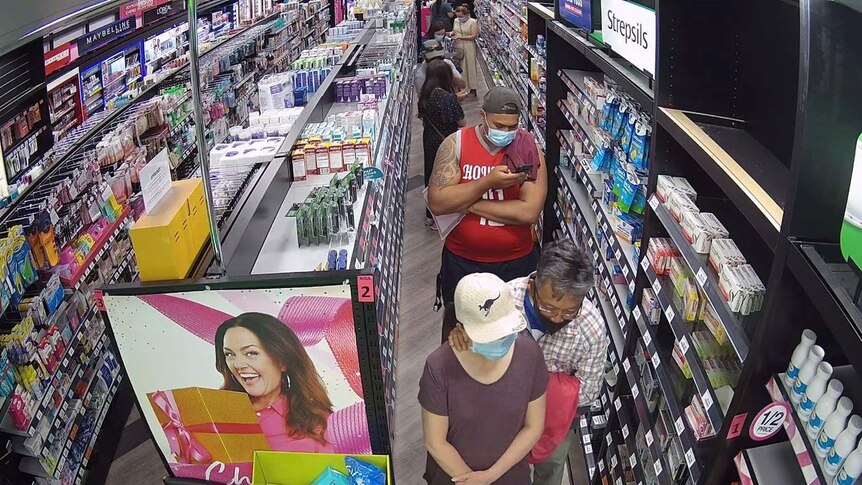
656 360
630 30
637 313
701 277
689 457
633 460
680 427
156 180
670 314
656 285
625 431
649 438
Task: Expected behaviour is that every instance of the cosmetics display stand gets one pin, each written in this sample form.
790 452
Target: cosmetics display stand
686 390
75 418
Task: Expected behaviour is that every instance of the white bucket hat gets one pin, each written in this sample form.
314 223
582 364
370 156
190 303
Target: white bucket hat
485 307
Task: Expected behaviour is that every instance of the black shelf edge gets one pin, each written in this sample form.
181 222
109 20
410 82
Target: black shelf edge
544 12
683 340
676 409
587 446
706 278
642 410
740 177
820 280
809 463
636 85
628 430
576 198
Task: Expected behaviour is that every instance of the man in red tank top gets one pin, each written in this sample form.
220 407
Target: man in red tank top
500 206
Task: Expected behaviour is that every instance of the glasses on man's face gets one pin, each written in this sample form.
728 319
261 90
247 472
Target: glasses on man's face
555 312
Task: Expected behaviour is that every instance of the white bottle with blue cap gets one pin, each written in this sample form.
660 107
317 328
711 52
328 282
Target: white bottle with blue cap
806 372
844 445
835 424
824 407
800 353
816 388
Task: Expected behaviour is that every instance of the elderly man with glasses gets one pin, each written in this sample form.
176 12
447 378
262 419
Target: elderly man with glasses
569 329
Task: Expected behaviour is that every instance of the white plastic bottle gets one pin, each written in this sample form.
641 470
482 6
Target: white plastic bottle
852 468
835 424
800 353
816 388
824 407
844 445
806 372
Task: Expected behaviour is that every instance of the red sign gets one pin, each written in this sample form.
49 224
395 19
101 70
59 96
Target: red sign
365 285
736 426
137 7
58 58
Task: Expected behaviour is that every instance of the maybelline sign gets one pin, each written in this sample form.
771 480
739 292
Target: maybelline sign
630 30
96 38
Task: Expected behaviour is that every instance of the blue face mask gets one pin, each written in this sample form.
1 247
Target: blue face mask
500 138
497 349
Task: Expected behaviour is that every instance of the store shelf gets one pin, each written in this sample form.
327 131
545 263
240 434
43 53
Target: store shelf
663 288
767 464
745 171
675 408
707 279
628 428
632 81
98 249
830 283
810 464
642 410
624 252
587 446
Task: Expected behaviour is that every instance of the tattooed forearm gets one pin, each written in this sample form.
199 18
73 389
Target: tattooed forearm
446 171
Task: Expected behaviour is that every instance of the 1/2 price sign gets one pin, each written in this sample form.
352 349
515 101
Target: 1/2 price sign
768 421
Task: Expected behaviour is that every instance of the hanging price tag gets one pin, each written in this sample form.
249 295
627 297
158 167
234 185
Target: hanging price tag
635 391
656 360
645 263
653 202
680 427
656 286
701 277
657 467
626 364
670 314
689 457
683 344
618 404
649 438
707 400
633 460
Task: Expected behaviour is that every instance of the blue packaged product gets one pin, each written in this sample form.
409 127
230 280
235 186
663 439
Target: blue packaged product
618 170
638 148
628 190
609 112
331 476
602 158
639 204
608 196
364 473
628 131
621 117
299 97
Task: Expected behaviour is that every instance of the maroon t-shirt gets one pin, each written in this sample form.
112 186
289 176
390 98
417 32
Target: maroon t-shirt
483 418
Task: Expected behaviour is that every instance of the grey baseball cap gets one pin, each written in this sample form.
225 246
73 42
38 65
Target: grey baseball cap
503 101
432 49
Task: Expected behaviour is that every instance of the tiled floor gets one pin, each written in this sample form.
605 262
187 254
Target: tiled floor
137 461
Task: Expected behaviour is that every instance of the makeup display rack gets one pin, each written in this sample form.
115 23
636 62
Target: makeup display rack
54 435
715 237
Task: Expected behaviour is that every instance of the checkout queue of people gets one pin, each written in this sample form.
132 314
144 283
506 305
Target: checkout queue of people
518 334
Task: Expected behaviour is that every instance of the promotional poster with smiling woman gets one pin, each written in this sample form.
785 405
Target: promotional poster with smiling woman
221 374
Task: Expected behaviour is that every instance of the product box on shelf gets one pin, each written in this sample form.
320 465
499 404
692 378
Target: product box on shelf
168 239
206 425
285 467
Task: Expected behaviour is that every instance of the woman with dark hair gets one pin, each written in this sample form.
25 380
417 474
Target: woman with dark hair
261 356
441 12
441 115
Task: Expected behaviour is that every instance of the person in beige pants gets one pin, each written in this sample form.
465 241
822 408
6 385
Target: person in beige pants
464 34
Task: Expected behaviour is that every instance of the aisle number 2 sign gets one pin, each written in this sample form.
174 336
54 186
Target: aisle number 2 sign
768 421
365 288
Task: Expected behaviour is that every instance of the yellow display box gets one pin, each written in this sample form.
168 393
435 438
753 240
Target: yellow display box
285 468
167 240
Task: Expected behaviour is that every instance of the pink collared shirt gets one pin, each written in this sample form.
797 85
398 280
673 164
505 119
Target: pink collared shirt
272 421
